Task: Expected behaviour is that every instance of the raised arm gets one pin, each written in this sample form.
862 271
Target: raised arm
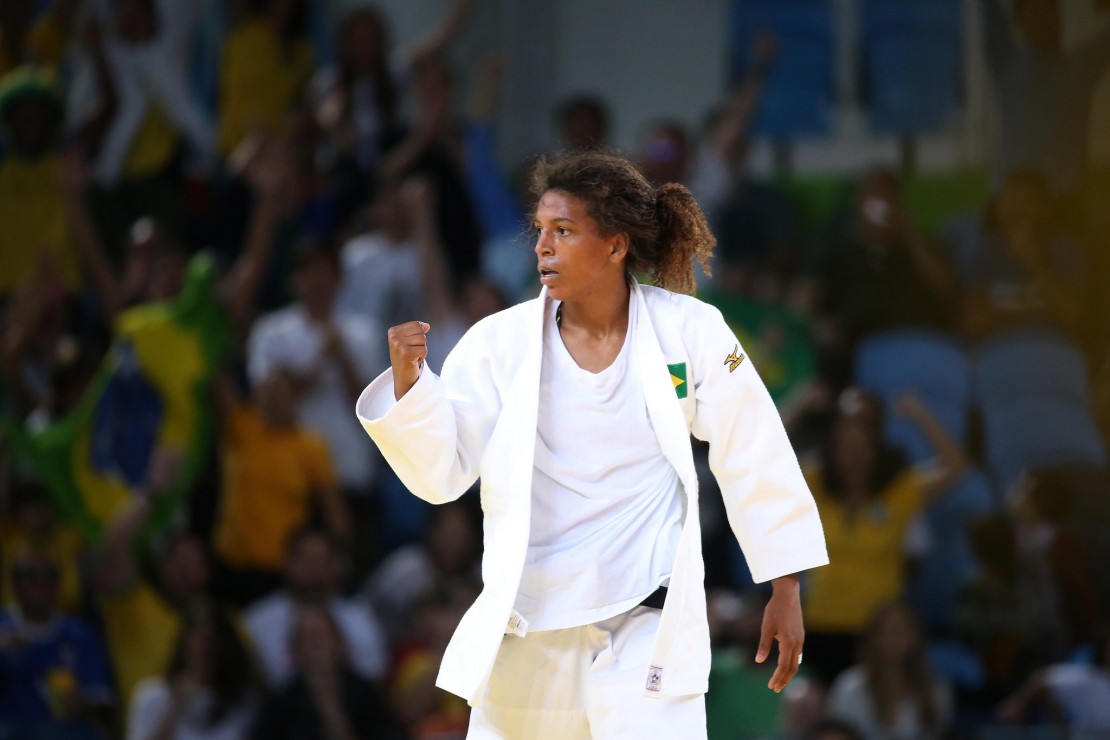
268 167
447 31
950 462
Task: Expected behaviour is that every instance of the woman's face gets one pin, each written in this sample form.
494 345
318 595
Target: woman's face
853 444
363 43
574 259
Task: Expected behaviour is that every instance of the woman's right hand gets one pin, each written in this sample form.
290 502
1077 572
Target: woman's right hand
407 349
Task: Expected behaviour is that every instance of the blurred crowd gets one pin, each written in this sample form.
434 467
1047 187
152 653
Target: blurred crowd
198 263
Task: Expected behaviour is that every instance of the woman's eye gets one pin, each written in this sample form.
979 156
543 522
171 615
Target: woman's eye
562 231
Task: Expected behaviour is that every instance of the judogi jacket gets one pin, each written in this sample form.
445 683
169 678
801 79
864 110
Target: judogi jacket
479 420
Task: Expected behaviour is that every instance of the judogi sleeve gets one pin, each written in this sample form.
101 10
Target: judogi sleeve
434 436
769 506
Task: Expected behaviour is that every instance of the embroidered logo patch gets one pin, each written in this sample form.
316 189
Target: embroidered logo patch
654 678
678 378
733 360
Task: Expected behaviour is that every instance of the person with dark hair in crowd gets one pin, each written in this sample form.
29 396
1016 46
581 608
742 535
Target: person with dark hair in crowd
325 698
892 693
358 101
868 497
1074 695
1018 267
55 681
583 123
313 575
882 273
266 66
1044 92
207 691
587 397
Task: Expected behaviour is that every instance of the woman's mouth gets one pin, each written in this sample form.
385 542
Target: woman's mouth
547 275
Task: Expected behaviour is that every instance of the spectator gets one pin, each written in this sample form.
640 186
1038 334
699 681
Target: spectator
449 550
382 277
54 675
141 611
868 498
892 693
325 697
426 711
41 41
32 526
330 353
1018 270
267 64
312 577
207 692
433 150
1043 93
145 52
882 273
32 206
358 101
583 123
273 473
1056 560
1073 695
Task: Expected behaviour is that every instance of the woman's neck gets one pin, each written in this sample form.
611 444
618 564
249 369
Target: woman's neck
601 314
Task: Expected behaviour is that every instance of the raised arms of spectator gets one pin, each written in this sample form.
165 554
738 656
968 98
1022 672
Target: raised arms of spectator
268 166
447 31
730 135
950 462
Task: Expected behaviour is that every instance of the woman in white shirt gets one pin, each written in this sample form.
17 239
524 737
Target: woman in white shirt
575 410
208 693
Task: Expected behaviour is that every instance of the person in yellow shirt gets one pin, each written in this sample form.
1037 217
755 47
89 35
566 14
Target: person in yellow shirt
868 497
266 66
32 200
274 473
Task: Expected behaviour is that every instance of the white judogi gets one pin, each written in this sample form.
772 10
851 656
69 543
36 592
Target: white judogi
480 419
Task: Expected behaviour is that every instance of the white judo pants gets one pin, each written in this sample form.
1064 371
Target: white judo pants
583 682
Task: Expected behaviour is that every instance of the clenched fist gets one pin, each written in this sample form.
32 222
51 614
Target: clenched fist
407 349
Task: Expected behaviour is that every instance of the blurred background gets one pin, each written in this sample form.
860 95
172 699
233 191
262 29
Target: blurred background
212 210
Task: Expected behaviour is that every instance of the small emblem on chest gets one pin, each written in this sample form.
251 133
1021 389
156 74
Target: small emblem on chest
733 360
654 678
678 378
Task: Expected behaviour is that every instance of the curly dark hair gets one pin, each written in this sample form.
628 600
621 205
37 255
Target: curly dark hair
666 229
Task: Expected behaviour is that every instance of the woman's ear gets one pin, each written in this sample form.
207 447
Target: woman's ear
618 247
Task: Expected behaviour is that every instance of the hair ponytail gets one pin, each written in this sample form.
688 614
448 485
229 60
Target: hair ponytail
666 229
683 236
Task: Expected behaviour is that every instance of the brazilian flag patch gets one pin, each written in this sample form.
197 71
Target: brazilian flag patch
678 377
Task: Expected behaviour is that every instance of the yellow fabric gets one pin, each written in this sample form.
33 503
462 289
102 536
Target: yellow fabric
261 80
141 630
153 146
63 547
866 564
269 479
33 220
46 42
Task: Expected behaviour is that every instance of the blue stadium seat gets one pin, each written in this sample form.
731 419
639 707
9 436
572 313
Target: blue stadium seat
1030 363
1035 432
913 60
799 96
930 364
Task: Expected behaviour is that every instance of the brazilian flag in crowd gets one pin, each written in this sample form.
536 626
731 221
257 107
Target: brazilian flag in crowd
151 390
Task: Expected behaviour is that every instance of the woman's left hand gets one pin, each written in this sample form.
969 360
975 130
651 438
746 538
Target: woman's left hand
782 621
